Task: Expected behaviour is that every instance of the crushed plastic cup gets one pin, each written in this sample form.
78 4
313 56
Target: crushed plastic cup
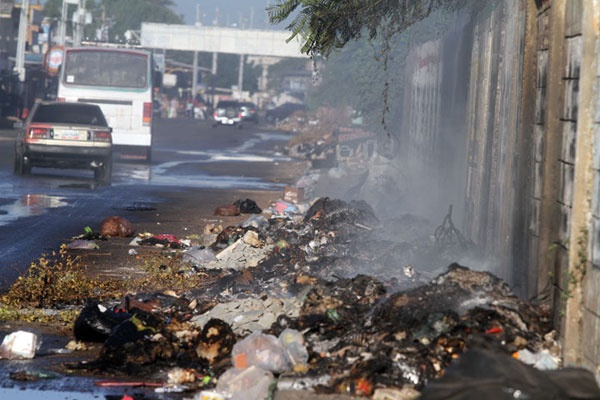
19 345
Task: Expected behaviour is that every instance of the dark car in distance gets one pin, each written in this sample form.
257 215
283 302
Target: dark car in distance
249 111
283 111
65 135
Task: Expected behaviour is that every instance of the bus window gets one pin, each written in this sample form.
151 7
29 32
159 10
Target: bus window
120 82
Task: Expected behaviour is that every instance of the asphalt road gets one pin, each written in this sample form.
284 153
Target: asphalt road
193 167
40 211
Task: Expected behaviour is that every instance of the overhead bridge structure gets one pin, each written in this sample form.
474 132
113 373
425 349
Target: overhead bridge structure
266 47
271 43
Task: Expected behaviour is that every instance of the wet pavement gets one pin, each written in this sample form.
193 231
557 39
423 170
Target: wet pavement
379 305
64 201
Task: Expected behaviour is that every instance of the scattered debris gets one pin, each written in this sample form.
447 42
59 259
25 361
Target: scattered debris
484 371
160 240
293 194
116 226
82 244
289 299
228 210
19 345
447 235
248 206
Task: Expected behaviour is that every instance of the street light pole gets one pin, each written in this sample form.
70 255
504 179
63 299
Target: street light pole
21 41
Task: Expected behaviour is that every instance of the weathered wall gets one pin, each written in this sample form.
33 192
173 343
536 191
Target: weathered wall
493 120
433 130
582 277
530 130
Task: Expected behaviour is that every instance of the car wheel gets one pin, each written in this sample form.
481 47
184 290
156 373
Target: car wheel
22 166
103 173
148 153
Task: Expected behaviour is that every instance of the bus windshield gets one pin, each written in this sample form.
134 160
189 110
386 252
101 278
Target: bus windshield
106 68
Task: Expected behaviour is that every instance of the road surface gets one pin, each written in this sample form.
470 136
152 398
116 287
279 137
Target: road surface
40 211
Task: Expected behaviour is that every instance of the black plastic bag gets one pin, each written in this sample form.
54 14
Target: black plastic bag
248 206
489 374
95 323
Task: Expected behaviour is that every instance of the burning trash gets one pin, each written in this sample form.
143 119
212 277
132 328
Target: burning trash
302 303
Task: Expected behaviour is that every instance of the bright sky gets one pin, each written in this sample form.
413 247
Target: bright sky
249 13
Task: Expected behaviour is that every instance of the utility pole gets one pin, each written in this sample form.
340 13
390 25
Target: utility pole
195 67
214 63
241 77
21 41
62 29
79 23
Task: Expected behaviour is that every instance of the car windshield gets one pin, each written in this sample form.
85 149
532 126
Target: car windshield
69 114
228 104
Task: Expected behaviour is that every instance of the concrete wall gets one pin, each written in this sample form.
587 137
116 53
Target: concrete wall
530 130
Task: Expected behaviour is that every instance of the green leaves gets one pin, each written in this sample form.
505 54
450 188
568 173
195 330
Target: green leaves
328 25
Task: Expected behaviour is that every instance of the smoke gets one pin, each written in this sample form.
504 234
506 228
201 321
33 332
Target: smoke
420 169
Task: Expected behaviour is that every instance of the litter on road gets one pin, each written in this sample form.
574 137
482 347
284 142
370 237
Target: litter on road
320 296
325 298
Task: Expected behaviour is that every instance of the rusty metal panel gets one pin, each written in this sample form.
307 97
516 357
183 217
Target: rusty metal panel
596 104
538 179
571 99
574 47
538 143
596 196
543 41
591 335
540 106
534 219
569 141
573 22
567 177
542 69
592 290
564 228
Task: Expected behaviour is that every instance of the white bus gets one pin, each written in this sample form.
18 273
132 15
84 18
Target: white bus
120 82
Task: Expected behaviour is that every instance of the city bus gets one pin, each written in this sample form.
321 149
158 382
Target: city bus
119 80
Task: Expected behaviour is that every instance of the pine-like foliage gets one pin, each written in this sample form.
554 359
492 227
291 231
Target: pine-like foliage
326 25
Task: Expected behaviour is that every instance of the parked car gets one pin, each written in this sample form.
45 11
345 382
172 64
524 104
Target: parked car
283 111
227 112
65 135
249 111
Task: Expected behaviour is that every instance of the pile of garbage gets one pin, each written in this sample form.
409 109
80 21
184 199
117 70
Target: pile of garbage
321 296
